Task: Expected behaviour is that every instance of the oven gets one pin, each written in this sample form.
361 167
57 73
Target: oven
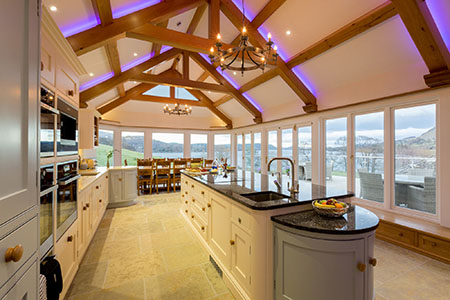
47 199
66 201
67 129
47 123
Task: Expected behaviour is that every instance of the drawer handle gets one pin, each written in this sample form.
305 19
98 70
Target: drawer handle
373 261
186 211
361 267
239 220
400 234
84 207
100 200
192 186
70 238
193 200
209 204
120 179
107 177
185 182
42 66
185 193
203 208
203 228
182 196
231 242
96 187
14 254
186 202
192 216
203 192
87 205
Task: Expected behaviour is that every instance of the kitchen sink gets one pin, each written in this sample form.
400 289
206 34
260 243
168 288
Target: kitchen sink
264 196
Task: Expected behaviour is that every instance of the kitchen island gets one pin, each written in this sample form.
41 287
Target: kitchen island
232 219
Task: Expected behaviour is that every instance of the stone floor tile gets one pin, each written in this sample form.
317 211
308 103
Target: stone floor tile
89 278
184 256
214 278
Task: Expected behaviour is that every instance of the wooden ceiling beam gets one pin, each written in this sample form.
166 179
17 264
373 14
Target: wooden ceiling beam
214 19
167 100
186 65
103 12
111 83
374 17
238 96
266 76
139 89
98 36
179 82
426 36
234 15
263 15
156 48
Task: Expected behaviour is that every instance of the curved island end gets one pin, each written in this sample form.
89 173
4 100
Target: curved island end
319 258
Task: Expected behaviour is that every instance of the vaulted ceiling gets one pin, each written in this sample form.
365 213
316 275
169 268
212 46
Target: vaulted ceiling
332 53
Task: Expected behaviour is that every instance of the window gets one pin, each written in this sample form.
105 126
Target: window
222 146
248 152
132 147
105 145
159 90
304 153
168 145
239 152
336 153
199 146
415 158
181 93
369 156
272 147
286 149
257 152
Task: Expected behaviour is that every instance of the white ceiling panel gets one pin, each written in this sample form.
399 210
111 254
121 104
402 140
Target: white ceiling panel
181 22
131 50
310 21
227 29
95 62
233 109
103 99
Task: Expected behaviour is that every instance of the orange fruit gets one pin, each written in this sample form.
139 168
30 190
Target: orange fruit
338 205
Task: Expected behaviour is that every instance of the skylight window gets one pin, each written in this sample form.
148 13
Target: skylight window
160 91
181 93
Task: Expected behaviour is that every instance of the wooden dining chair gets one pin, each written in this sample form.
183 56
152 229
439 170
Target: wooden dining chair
145 179
208 163
177 167
162 174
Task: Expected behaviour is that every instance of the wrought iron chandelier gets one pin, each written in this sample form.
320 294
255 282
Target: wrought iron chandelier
247 57
178 110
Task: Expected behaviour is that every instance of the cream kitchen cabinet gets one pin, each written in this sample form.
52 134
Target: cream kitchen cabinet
220 229
88 128
241 252
66 250
122 186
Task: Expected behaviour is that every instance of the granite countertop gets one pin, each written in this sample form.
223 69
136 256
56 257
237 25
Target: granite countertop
85 181
356 220
233 184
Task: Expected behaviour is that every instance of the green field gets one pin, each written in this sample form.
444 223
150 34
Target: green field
130 156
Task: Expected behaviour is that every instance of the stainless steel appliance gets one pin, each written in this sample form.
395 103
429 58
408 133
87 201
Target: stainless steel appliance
67 129
47 123
66 203
47 194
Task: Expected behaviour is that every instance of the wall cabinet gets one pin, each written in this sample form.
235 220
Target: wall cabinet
122 187
347 270
67 81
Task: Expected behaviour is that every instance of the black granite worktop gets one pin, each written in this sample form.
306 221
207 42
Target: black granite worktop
356 220
233 184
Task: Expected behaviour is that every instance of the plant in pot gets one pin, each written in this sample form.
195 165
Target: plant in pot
109 155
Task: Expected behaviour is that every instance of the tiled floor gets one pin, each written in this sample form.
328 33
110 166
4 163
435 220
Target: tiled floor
147 252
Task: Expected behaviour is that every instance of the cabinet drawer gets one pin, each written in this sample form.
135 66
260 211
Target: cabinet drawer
241 217
199 204
26 236
397 233
199 224
26 287
199 212
435 246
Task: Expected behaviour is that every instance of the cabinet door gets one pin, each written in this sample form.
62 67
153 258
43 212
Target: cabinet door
115 186
370 265
47 61
19 77
220 228
241 254
66 80
82 242
66 251
130 185
304 266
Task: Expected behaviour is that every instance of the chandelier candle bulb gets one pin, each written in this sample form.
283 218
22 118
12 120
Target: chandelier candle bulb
219 36
269 36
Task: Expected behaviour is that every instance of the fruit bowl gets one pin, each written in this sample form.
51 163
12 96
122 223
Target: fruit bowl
330 208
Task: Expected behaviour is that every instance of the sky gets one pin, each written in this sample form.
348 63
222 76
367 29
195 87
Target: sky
169 137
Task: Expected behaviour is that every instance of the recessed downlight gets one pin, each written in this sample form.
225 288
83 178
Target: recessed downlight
91 74
234 73
288 32
53 8
134 54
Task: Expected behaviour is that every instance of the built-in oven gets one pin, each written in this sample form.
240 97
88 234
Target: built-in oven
47 123
67 129
66 201
48 189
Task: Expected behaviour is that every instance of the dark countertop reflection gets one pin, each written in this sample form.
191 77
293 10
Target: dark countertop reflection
356 220
233 184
